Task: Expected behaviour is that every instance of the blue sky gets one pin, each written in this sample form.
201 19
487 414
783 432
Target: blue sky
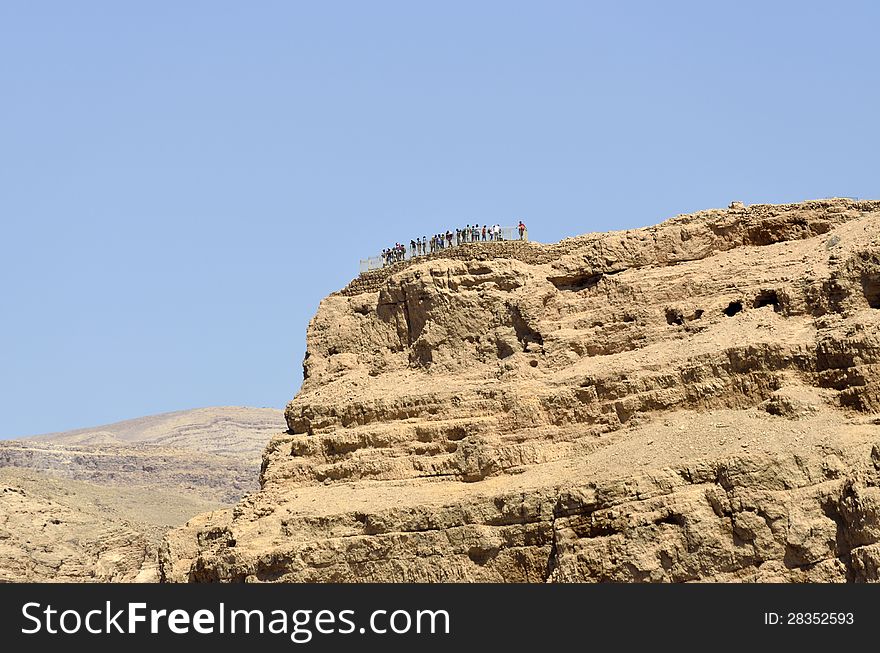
182 182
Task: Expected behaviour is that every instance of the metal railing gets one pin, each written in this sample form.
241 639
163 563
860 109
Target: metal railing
507 234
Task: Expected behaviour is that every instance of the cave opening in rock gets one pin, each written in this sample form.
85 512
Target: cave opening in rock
733 308
871 289
576 282
767 298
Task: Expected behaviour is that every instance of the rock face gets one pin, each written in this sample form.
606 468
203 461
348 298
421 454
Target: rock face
93 504
687 402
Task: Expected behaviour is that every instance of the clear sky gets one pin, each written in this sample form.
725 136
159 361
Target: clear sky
182 182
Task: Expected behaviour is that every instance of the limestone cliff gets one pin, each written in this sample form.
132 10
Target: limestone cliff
691 401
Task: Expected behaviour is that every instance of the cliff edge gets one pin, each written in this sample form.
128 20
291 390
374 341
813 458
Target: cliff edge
691 401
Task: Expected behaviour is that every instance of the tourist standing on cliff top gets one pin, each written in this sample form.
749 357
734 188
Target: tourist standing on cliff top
471 233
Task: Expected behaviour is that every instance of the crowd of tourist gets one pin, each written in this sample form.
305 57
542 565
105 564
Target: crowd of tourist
424 245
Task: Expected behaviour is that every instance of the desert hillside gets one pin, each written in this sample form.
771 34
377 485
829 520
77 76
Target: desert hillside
691 401
223 429
93 504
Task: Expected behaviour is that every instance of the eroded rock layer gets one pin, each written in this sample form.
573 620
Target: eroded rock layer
690 401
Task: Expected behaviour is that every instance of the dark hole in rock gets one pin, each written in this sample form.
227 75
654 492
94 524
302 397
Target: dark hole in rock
524 332
733 308
698 313
676 520
871 289
767 298
576 283
674 316
456 433
504 349
481 556
533 363
305 367
421 354
623 413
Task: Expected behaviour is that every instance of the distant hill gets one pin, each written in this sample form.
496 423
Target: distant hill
93 504
234 430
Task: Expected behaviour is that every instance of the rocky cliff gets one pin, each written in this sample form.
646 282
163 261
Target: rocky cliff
691 401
